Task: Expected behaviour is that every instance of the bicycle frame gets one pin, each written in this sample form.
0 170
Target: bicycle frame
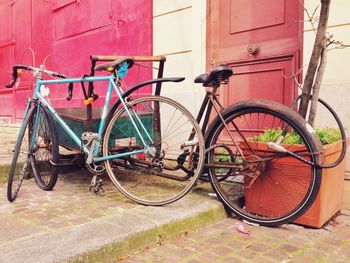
111 86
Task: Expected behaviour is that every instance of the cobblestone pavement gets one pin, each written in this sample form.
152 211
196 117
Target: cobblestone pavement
70 202
221 242
8 135
51 226
38 214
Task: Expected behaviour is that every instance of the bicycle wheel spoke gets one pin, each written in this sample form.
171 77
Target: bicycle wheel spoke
169 170
45 150
263 186
20 167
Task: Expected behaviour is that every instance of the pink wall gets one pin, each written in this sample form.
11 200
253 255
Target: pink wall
66 33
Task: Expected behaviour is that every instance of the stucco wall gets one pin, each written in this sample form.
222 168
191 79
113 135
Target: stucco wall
179 33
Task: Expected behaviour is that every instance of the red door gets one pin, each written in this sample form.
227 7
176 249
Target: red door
262 41
14 14
64 34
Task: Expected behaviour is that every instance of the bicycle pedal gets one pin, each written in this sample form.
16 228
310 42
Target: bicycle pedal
97 190
96 185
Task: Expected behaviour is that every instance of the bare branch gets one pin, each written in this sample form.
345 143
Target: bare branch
334 44
295 77
312 19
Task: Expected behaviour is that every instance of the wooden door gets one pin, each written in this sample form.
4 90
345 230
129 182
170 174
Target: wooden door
262 41
15 32
64 34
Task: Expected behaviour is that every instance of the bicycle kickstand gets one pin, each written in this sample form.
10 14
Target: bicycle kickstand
96 185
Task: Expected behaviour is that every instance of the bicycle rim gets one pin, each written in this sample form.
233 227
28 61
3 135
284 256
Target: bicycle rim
20 166
45 150
263 186
177 144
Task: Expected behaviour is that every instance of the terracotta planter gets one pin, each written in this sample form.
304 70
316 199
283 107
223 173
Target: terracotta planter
294 181
330 197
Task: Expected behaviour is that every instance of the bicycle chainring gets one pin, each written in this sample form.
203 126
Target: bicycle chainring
96 168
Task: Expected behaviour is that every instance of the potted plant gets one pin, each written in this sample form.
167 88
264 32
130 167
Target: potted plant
329 199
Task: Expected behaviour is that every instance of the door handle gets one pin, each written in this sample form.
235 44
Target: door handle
252 49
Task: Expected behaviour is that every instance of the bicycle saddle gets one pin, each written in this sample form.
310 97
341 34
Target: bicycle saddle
215 77
116 64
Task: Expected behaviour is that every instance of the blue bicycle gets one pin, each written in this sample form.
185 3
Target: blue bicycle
151 147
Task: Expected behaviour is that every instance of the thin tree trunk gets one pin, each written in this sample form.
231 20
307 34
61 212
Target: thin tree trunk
315 57
317 86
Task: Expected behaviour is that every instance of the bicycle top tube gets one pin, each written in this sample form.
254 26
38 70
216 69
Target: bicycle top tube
75 80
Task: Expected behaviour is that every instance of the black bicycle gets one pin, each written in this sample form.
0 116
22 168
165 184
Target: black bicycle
262 158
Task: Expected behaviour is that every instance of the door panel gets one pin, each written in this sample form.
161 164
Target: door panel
5 31
261 79
77 17
21 19
6 44
250 19
262 41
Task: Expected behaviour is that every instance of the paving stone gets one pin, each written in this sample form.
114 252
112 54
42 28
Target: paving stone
69 221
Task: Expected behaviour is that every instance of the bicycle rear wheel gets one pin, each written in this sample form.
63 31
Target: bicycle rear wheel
175 158
254 180
20 166
44 152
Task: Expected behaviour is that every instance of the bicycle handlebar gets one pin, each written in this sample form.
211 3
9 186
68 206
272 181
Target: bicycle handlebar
30 68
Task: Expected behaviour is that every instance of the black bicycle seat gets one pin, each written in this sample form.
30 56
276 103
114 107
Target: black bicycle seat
116 64
215 77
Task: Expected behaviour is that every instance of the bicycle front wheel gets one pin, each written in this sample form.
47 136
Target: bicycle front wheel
170 150
20 166
254 179
44 149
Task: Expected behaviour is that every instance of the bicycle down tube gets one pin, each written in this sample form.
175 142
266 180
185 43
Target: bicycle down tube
71 133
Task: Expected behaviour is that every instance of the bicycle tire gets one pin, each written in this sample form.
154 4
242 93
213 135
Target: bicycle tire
173 169
340 127
20 165
44 157
260 189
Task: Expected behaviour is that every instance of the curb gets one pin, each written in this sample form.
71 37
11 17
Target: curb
143 239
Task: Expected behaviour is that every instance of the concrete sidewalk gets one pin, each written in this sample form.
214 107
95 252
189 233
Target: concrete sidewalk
71 224
221 242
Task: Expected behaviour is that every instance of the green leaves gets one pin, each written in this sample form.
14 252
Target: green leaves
326 135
